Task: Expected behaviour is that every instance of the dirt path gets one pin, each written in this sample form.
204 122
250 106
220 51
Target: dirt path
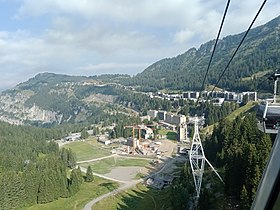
125 186
96 159
126 173
114 155
126 180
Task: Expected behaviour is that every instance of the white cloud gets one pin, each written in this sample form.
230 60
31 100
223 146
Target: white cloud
184 35
197 18
102 40
95 36
105 68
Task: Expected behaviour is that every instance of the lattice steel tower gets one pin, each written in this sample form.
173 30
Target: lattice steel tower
197 159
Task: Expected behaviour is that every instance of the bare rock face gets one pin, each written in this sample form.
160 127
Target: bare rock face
14 110
54 99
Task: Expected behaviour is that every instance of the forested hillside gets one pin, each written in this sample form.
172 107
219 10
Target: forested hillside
32 169
259 53
240 152
49 99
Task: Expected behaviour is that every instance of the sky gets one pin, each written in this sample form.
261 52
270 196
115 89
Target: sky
93 37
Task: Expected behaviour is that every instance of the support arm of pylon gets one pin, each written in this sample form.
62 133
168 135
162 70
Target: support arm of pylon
214 170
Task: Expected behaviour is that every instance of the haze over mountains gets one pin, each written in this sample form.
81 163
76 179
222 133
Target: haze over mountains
53 98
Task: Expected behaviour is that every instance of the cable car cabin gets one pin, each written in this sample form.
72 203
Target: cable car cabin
268 115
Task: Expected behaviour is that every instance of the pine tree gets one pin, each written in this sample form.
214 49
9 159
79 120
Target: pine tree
18 195
84 134
244 197
64 155
71 159
80 175
45 191
74 185
64 193
89 175
256 180
31 184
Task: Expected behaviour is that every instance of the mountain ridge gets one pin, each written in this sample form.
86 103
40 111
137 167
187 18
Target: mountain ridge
259 52
58 98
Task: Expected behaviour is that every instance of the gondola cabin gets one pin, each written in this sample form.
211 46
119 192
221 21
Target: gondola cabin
268 115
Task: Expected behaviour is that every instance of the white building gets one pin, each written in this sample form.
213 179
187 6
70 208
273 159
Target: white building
105 141
148 133
191 95
169 118
73 137
183 133
218 101
162 115
152 113
178 119
147 117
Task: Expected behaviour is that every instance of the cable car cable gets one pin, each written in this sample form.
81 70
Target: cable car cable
215 45
260 9
212 54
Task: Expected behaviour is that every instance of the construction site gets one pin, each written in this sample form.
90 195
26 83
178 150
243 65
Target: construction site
144 142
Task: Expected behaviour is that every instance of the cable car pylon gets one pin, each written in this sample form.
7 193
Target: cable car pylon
198 159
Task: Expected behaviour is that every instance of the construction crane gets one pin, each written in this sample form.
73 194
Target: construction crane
133 132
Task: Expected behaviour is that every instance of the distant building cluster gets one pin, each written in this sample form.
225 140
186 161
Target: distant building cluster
166 117
173 122
217 97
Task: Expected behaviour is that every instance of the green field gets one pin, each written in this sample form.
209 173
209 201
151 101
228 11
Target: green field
87 150
87 192
256 75
137 198
170 134
104 166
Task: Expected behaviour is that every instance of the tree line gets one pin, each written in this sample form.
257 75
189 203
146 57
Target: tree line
259 53
240 152
32 168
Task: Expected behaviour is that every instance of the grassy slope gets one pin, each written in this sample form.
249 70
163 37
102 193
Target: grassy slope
87 151
257 75
170 134
240 110
104 166
232 116
87 192
137 198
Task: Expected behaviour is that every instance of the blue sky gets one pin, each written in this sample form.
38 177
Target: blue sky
88 37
